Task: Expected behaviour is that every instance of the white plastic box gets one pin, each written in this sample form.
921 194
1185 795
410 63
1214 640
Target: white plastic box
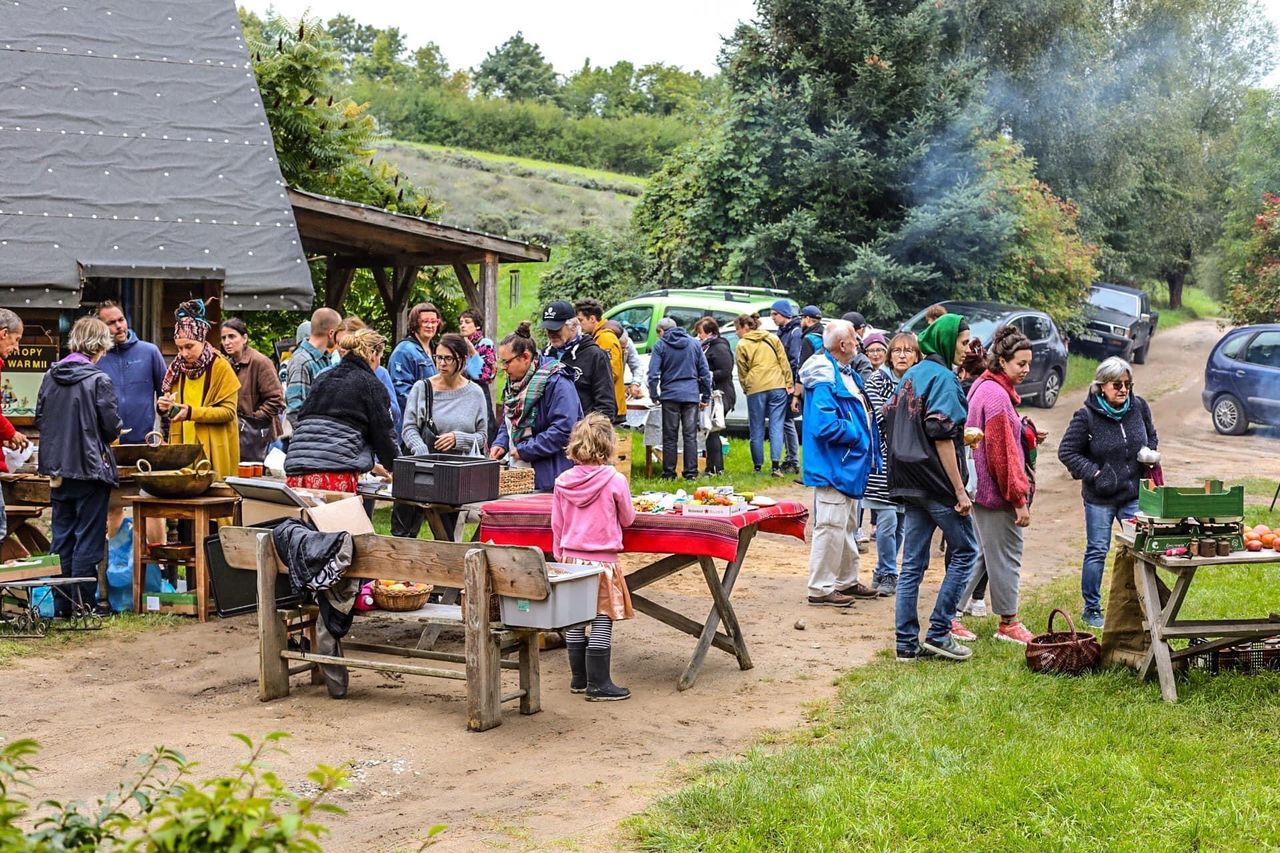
572 600
715 509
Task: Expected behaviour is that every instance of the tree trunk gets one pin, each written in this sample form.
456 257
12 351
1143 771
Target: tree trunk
1174 280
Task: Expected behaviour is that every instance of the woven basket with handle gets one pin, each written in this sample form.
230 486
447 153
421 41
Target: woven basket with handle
401 600
515 481
1064 653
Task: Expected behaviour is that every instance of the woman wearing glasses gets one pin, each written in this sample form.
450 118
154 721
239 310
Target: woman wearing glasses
1103 448
446 413
903 352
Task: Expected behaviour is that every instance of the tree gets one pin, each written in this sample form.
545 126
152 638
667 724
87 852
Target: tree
1255 298
352 39
385 58
517 71
596 263
1254 171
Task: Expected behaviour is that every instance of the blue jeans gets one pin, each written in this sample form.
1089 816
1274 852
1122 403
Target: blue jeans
770 405
889 536
1098 519
918 525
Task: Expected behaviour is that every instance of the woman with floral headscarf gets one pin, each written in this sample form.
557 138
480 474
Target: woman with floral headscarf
200 393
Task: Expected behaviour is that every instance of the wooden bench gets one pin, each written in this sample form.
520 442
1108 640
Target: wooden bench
478 569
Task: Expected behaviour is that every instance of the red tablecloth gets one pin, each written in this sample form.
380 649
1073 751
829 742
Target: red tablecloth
527 521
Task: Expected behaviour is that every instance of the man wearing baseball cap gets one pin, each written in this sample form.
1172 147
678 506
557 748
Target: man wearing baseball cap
587 364
810 331
789 333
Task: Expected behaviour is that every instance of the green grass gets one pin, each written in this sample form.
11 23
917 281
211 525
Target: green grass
988 756
115 627
737 465
1080 370
1196 305
529 163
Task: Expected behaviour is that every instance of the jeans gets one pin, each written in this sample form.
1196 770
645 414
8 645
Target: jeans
1098 519
918 525
790 436
762 406
679 418
889 536
79 521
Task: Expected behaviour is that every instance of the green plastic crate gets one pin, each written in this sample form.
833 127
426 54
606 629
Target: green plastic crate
1208 501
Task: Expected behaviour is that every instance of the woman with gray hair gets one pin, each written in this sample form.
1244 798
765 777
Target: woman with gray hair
1109 447
78 418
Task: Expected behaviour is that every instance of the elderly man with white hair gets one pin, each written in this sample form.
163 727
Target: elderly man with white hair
841 449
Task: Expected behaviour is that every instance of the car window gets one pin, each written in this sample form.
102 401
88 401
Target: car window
1036 328
635 322
732 338
1104 297
685 317
1264 350
1234 348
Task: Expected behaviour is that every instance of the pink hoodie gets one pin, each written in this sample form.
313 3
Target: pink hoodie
589 507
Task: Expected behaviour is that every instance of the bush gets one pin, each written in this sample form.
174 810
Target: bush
606 266
1255 296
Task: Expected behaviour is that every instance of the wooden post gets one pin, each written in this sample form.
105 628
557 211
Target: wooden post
530 673
469 289
484 672
337 283
489 294
273 670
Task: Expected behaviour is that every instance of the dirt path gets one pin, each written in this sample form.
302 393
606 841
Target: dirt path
562 779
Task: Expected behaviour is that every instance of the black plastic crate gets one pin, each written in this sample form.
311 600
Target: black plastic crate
441 478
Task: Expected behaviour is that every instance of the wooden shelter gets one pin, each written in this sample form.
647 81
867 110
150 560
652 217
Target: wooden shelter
394 247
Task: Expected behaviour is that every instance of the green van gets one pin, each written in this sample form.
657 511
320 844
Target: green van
639 316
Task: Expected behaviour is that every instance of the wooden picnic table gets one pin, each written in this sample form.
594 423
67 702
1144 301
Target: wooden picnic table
683 541
1158 607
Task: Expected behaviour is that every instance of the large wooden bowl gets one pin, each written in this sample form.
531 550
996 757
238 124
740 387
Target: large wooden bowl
175 484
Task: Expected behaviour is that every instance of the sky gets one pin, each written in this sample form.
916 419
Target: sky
687 33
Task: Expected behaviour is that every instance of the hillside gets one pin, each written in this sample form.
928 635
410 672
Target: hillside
524 199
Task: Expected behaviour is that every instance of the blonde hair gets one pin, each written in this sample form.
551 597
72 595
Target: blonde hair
89 336
365 343
592 441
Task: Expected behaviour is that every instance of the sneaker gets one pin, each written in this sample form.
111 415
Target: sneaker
791 466
907 655
946 648
960 632
887 587
831 599
860 590
777 472
756 469
976 608
861 537
1092 618
1014 632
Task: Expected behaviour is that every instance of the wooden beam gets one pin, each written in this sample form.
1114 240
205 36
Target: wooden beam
489 294
337 283
405 277
469 289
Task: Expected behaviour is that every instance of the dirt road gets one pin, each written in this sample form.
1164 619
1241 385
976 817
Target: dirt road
562 779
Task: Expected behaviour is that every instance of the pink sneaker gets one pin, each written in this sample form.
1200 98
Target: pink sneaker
1014 632
961 633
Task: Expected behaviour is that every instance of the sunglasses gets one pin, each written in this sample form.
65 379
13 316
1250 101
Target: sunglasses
1121 385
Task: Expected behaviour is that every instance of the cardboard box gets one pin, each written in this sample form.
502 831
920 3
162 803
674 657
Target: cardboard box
30 568
341 516
265 499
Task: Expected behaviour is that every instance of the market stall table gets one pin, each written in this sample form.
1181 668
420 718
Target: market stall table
218 502
685 540
1159 606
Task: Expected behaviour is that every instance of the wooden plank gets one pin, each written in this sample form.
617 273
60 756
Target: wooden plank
1254 628
1145 575
657 570
679 621
720 592
720 595
377 665
484 683
530 675
469 289
515 694
517 571
426 654
1235 558
273 672
489 294
337 283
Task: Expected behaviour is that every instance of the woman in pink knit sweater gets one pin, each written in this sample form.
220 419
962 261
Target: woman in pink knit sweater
589 507
1003 461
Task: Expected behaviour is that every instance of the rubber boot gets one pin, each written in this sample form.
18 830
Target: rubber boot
600 687
577 666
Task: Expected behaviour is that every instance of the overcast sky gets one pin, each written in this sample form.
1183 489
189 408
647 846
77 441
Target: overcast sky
687 33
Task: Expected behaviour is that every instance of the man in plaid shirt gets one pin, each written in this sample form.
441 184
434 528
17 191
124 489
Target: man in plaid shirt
311 357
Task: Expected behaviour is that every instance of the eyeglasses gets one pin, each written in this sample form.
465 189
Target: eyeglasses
902 351
1121 385
444 359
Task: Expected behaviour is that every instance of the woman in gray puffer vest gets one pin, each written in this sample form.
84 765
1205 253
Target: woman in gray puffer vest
345 422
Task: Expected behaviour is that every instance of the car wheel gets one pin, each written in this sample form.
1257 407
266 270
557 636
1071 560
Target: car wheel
1229 417
1140 355
1052 390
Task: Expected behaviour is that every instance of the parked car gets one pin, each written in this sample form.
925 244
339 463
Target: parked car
1242 379
1048 345
639 316
1118 321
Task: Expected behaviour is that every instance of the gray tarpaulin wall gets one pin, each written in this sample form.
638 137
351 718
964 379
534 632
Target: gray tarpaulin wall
133 137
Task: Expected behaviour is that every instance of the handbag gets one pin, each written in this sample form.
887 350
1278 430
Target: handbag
1064 653
712 417
255 438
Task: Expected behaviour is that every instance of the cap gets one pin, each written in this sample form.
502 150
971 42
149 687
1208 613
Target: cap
666 323
557 314
783 307
812 312
855 318
875 338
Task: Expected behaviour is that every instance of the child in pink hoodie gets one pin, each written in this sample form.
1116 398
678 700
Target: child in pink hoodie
589 507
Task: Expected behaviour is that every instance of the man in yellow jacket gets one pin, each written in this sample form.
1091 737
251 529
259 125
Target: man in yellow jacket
591 318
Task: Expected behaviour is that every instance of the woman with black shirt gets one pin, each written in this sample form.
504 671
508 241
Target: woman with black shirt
720 361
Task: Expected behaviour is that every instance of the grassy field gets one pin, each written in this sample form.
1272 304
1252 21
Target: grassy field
988 756
527 200
1196 305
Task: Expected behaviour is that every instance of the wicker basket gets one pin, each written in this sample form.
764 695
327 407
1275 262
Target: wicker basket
515 481
401 599
1066 653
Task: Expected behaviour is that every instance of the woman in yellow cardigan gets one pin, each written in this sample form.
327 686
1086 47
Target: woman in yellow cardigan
200 393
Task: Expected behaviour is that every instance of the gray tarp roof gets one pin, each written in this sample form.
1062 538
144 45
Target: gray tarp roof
133 137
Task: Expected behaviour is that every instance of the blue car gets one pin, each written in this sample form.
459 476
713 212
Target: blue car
1242 379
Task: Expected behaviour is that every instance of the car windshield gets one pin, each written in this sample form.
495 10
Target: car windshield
1105 297
983 322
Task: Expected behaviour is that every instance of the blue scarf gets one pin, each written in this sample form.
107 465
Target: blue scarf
1111 411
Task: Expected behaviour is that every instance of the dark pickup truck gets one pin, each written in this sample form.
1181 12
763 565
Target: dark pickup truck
1118 321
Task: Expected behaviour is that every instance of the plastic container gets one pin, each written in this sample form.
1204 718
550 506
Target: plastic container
715 509
446 479
572 601
1208 501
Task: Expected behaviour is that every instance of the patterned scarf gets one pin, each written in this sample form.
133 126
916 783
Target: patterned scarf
520 400
191 325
